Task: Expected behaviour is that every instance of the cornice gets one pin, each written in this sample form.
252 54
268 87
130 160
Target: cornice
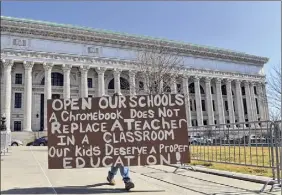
125 65
88 35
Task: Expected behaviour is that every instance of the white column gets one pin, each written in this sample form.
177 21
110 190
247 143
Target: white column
146 84
187 99
84 83
66 69
117 80
219 100
27 95
161 87
132 82
47 89
173 85
249 101
7 91
261 102
198 101
101 81
265 105
239 102
209 101
230 101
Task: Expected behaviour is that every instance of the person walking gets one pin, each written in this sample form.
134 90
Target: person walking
124 171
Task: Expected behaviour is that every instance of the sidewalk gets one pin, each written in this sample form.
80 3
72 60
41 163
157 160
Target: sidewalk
24 171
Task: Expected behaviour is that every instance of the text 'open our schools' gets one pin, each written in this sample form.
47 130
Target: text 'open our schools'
117 131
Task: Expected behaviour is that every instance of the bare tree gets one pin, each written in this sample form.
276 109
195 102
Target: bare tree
274 93
158 69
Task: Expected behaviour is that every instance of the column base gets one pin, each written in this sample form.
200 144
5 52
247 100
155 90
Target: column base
27 130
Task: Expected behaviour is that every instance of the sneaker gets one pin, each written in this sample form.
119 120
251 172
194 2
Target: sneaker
111 181
129 185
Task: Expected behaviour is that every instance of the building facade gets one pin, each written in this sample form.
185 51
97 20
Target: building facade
43 60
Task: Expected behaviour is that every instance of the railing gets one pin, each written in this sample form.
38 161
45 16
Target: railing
251 144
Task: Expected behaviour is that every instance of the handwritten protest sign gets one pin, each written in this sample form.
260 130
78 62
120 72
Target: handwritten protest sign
114 131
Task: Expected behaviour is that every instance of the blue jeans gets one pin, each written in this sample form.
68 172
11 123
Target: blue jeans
124 171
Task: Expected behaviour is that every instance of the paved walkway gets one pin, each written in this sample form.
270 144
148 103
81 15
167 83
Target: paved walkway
24 171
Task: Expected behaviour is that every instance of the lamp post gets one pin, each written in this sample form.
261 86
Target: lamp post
3 121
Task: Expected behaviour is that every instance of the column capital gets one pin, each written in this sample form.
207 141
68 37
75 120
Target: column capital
84 69
7 63
246 83
48 66
260 83
100 70
237 81
66 67
132 72
228 81
208 79
28 65
186 76
218 80
117 71
196 78
252 83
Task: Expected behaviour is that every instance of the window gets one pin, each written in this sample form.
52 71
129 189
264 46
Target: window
90 96
243 90
19 78
255 90
141 85
205 122
192 89
17 125
226 105
215 122
57 79
19 42
93 50
191 105
212 90
203 105
213 105
178 88
223 90
195 105
18 100
194 122
55 96
233 106
124 84
257 106
245 106
89 81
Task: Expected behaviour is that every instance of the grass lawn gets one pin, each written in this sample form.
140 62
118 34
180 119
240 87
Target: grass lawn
254 156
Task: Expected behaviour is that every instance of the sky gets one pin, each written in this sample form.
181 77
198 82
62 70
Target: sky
250 27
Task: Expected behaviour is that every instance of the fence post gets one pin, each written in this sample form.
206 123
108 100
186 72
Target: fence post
277 147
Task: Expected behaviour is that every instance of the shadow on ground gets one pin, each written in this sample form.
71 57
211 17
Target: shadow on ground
88 189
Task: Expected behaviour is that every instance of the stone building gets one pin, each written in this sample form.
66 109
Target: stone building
43 60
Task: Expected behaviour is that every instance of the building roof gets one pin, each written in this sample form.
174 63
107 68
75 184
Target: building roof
125 37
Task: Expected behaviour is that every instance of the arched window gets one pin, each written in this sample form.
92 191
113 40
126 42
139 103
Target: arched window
57 79
223 90
124 84
192 89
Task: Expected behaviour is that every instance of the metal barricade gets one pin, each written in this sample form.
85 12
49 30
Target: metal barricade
4 143
5 137
251 144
